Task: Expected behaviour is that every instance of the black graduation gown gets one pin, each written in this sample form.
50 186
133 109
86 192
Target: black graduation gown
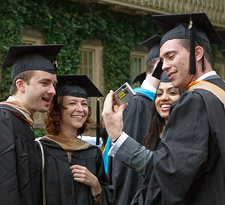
20 162
60 185
189 169
136 121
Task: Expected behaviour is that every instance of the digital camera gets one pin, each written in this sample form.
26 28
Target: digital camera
123 94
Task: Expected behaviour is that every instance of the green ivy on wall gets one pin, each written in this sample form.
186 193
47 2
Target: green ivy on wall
71 24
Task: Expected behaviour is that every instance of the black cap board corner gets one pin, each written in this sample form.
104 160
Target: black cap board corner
139 78
153 44
150 42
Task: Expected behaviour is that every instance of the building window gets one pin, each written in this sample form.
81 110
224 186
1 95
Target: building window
219 65
86 65
91 65
138 66
220 70
32 37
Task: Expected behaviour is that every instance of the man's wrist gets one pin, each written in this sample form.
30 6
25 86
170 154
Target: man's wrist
115 145
115 140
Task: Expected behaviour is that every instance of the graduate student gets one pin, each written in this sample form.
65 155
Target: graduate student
135 123
74 170
166 95
189 166
33 81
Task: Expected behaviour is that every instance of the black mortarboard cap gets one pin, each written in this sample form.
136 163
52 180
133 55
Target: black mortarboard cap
153 44
31 57
156 73
193 26
140 78
158 70
164 78
79 86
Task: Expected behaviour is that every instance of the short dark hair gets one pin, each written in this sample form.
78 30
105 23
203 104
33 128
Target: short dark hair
151 65
186 44
25 76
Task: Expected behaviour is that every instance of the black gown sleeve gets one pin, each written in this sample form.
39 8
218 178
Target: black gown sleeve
9 193
108 192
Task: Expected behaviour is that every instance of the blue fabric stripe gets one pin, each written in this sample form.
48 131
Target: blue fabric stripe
149 94
105 154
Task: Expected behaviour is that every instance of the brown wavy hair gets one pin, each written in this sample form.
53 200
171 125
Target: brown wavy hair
52 120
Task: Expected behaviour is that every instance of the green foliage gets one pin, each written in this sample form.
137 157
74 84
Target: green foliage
71 24
39 132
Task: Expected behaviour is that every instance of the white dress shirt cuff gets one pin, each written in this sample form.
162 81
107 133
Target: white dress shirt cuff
116 145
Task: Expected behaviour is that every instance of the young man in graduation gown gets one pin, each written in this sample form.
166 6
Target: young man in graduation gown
135 123
33 81
188 167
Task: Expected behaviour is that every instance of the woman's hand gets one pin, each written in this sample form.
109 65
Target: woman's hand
83 175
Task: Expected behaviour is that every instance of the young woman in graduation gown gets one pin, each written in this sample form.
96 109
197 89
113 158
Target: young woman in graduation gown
74 170
166 95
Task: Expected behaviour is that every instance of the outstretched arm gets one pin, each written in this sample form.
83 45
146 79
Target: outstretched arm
113 120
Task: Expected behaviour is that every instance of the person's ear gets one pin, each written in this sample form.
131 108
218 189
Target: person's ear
20 84
199 52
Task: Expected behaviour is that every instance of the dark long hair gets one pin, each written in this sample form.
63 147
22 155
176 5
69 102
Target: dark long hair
155 128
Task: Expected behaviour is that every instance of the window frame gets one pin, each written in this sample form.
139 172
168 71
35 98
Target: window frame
97 76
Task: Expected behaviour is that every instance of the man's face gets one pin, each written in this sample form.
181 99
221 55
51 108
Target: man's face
39 91
176 63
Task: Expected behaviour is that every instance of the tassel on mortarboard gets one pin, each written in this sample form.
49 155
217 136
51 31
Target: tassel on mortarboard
98 121
192 48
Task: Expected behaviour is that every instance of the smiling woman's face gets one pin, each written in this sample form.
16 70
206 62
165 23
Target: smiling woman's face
165 96
74 112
